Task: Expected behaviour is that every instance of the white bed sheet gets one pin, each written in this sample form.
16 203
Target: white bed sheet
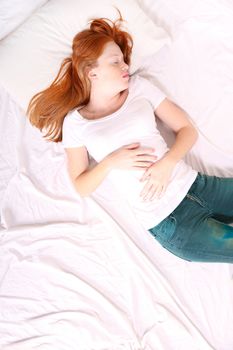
196 72
82 274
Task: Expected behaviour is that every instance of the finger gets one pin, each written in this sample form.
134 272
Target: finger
145 176
163 191
144 150
145 189
158 192
143 164
136 167
155 191
132 145
150 193
145 157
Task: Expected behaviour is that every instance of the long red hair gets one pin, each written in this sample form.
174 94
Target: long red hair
71 87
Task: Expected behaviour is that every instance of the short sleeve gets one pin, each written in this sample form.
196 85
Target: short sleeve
71 133
151 92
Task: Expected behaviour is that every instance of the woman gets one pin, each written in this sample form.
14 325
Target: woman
95 108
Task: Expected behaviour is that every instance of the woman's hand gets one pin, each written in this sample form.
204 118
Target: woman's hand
157 177
131 156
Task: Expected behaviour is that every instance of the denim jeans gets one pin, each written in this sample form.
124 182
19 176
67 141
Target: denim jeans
198 229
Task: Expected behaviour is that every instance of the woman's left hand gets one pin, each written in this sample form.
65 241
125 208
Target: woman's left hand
157 177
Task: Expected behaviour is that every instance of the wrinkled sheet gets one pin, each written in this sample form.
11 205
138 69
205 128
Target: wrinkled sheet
82 273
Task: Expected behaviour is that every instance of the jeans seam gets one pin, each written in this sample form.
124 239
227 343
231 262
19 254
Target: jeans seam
198 253
225 258
201 202
195 199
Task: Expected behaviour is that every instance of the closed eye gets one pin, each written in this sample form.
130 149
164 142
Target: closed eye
118 59
118 62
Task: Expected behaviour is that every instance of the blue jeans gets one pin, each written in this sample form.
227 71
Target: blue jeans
198 229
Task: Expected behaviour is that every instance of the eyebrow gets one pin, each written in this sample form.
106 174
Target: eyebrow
116 55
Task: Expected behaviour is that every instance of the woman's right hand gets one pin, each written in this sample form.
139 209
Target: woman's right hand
131 156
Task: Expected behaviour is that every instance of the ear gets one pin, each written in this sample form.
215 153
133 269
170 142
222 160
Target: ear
92 74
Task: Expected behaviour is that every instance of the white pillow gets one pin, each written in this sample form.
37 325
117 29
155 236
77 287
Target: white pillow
31 56
15 12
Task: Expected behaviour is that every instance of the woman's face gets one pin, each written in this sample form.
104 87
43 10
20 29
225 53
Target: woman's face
111 71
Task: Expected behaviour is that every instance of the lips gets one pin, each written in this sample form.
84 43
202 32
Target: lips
126 75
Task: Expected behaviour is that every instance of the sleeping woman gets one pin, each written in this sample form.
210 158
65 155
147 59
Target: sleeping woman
95 108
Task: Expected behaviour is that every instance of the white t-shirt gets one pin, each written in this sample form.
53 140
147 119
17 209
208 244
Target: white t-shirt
133 122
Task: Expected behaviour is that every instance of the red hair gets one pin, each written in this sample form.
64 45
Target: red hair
71 87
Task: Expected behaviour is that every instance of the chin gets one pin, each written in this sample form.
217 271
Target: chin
126 82
125 87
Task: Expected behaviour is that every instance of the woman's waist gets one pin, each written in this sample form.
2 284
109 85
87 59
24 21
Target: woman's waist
129 184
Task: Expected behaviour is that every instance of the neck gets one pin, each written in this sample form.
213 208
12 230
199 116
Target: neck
100 101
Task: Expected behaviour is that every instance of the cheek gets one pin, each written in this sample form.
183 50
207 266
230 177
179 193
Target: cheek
110 74
117 73
114 72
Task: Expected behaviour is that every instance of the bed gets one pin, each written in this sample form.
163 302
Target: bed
81 273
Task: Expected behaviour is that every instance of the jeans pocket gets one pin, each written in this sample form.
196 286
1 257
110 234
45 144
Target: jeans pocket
164 231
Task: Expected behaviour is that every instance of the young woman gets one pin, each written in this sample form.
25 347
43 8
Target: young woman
95 108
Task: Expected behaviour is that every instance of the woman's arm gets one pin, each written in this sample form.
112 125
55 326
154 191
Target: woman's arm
158 175
177 119
86 178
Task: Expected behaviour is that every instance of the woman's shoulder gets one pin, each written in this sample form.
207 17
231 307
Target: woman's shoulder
70 119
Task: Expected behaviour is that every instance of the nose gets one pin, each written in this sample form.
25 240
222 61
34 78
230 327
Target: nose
125 67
